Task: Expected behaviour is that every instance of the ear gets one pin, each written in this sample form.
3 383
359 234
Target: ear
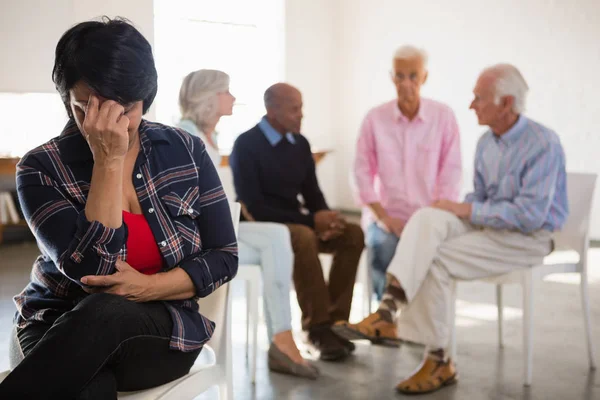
508 102
425 77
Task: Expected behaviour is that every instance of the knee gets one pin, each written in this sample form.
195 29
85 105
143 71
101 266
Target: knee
354 236
279 234
102 308
381 240
431 216
303 238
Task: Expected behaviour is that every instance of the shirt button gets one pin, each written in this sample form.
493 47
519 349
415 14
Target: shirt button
190 210
163 243
151 210
139 176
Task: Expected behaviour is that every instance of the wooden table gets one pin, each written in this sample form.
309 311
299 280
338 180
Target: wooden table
7 184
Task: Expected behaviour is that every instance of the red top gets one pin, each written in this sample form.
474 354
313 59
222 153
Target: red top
142 250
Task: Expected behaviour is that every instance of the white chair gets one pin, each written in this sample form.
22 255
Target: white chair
573 238
201 377
251 274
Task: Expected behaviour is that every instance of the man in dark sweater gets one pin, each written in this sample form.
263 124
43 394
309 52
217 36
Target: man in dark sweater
272 164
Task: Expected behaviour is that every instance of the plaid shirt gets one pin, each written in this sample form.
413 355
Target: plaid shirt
181 197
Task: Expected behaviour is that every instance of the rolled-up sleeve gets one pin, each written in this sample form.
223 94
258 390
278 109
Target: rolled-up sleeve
450 166
78 247
365 164
218 261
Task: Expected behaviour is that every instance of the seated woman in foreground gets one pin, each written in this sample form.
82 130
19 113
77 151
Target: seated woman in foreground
133 226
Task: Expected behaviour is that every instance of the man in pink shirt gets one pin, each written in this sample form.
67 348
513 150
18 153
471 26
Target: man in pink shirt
407 157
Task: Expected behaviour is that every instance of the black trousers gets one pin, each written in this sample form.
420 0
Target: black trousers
104 345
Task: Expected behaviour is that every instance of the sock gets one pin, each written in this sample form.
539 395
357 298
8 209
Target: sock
437 355
393 300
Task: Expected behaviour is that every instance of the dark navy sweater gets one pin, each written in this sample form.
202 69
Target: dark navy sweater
268 179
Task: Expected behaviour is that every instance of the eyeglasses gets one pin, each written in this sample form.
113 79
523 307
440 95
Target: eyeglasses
399 77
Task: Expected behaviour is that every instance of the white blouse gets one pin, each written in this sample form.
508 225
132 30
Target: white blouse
191 128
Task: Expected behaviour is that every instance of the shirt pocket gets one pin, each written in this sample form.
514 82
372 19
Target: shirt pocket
184 209
186 204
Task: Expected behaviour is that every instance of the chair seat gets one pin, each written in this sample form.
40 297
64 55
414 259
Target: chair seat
3 375
248 271
155 392
555 262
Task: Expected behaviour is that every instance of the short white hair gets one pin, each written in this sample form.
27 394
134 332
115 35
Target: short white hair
198 100
509 82
408 52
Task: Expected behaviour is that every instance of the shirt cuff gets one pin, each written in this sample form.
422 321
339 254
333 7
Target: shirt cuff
477 213
368 197
107 242
308 220
206 279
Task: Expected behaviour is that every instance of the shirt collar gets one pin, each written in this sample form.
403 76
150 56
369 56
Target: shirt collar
421 114
74 148
272 135
514 132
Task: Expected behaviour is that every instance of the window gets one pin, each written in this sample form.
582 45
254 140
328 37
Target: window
29 120
240 37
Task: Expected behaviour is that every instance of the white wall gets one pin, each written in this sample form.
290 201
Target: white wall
555 44
30 30
309 65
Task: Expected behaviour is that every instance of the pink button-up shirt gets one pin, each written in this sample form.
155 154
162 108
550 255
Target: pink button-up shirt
406 165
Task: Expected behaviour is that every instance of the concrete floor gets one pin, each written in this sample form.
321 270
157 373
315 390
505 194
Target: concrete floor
486 372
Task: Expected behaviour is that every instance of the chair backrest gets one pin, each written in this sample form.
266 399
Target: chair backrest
215 307
575 233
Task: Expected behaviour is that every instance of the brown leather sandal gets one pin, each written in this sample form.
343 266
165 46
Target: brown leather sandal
431 375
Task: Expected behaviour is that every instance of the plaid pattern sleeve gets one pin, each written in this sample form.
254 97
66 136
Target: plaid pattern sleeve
77 246
181 197
213 267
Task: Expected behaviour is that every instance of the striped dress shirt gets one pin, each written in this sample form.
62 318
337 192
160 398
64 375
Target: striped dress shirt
520 180
181 197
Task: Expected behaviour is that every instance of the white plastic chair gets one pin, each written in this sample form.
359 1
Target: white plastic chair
251 274
573 238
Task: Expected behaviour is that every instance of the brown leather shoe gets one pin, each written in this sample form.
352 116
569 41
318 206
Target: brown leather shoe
372 328
327 344
280 362
430 376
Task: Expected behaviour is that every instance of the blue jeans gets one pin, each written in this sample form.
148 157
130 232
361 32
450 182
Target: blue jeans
381 247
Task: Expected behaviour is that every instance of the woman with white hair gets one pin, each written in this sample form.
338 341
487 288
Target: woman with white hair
203 99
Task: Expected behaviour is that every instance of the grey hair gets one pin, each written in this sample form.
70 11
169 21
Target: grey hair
408 52
509 82
198 100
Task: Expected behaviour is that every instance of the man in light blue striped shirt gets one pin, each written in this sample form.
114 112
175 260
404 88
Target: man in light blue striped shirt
506 224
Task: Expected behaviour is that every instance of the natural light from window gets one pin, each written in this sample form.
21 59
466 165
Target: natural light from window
240 37
29 120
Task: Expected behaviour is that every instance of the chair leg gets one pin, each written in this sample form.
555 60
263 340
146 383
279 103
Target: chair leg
254 299
527 286
248 285
452 316
587 321
367 291
500 306
225 391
